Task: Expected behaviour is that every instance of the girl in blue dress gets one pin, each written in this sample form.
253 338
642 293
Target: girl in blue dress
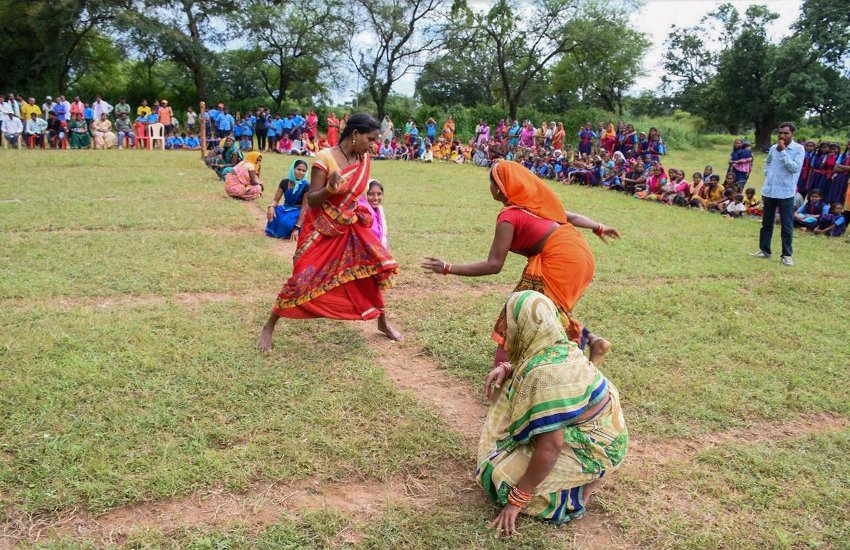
285 219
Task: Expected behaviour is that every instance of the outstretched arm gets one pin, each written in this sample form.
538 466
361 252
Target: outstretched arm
598 229
492 265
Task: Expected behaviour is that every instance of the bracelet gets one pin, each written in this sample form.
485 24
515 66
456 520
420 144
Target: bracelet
297 227
519 498
599 231
447 267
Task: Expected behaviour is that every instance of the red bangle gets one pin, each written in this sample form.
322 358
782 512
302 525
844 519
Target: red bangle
446 268
519 498
599 231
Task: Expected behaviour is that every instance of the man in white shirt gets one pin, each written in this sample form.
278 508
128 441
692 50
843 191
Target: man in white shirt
12 130
47 106
100 107
35 128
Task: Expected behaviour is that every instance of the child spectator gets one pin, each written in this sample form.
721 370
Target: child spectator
833 223
807 216
736 208
751 203
720 206
192 143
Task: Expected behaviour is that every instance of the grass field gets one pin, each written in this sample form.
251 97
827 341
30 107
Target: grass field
133 290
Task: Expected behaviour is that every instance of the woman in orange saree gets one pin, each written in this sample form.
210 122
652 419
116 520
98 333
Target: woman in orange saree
534 224
333 130
340 266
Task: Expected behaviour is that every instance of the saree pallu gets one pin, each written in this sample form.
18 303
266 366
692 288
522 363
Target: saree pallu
562 271
559 388
340 266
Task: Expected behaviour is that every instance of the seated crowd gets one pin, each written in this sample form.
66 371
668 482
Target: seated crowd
99 124
616 158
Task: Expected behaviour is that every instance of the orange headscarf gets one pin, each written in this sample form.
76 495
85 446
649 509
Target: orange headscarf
524 189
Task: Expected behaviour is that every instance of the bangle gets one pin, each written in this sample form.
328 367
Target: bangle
296 227
519 498
599 231
447 267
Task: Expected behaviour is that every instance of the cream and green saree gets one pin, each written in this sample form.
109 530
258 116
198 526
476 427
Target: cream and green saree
552 384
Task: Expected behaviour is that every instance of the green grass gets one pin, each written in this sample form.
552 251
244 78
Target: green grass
103 405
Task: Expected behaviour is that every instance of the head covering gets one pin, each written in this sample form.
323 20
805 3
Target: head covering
533 324
48 98
292 177
618 155
524 189
253 156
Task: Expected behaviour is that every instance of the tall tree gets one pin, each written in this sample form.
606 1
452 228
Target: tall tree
400 34
182 29
295 42
602 67
48 45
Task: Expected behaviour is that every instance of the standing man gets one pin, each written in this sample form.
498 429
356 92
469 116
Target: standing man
122 108
100 108
47 106
782 169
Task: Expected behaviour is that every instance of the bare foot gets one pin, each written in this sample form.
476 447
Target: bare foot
598 349
589 489
388 329
265 342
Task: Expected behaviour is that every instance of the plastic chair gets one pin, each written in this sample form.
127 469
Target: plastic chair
140 130
31 141
156 132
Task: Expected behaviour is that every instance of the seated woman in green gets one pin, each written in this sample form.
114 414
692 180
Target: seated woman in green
555 427
78 130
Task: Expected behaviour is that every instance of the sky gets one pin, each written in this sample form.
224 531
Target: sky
655 18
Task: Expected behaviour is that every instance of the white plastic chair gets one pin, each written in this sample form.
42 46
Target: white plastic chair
156 131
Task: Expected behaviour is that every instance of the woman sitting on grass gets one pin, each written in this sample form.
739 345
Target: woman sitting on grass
555 427
284 220
243 182
534 224
231 155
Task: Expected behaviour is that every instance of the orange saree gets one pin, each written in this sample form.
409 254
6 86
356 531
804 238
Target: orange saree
340 266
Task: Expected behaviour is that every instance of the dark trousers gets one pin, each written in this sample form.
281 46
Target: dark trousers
768 219
261 138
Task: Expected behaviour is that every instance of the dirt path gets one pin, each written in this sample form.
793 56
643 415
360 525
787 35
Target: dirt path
262 505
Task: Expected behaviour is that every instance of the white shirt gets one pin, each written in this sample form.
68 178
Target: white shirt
736 207
47 107
37 126
100 107
12 125
5 108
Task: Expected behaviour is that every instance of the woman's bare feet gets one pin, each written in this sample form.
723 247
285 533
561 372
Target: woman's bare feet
266 341
589 489
598 350
385 327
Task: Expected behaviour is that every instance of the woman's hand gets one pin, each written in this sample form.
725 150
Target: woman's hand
270 212
435 265
294 235
334 181
494 379
506 520
609 232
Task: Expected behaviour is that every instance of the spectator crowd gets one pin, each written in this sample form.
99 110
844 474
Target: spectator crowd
618 158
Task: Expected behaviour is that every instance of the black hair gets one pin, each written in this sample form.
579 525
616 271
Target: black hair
362 122
749 190
373 183
789 125
817 192
299 162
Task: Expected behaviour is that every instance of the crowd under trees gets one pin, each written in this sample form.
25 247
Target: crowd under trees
547 56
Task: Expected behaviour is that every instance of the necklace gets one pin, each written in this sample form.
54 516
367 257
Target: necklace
341 150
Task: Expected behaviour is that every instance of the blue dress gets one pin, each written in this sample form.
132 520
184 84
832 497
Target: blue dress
286 214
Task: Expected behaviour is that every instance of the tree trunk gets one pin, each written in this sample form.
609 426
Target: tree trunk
513 107
381 104
200 81
764 132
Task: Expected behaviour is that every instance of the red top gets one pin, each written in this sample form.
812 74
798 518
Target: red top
529 229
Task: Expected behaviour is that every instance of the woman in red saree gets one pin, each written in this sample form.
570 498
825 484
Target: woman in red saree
534 224
333 130
340 266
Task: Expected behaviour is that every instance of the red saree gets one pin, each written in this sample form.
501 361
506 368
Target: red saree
333 131
340 265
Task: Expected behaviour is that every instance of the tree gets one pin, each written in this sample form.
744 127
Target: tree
288 47
402 32
526 43
182 29
68 37
463 75
602 67
754 81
